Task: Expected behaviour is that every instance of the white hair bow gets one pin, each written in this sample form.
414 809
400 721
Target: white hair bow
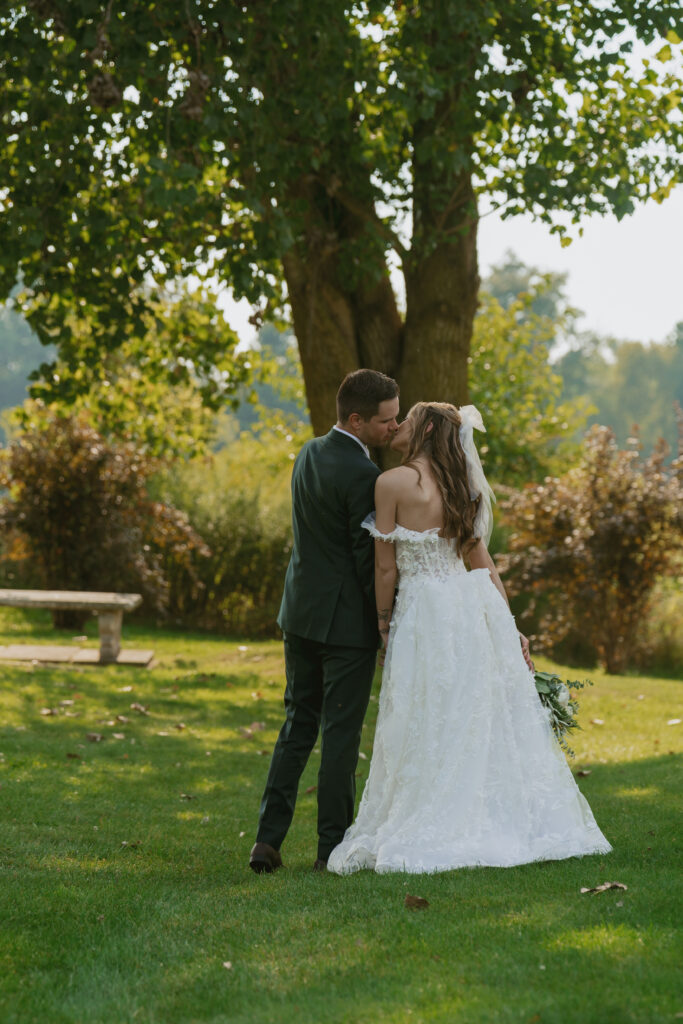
470 420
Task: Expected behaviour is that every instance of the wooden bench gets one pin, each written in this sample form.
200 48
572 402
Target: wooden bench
109 609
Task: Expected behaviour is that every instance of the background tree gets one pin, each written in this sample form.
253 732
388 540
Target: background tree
299 146
531 431
628 383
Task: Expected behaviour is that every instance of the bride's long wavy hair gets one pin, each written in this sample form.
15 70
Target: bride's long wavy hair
436 434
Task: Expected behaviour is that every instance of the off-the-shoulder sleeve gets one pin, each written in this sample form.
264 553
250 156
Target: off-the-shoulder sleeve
369 525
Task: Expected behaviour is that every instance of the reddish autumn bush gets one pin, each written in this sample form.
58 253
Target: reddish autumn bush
588 548
78 516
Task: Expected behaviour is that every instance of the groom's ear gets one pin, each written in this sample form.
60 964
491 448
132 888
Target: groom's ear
355 420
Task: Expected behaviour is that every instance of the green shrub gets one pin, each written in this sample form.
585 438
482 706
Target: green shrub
589 548
78 516
238 500
662 646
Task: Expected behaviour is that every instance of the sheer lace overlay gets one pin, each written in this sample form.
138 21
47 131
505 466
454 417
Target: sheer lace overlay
465 770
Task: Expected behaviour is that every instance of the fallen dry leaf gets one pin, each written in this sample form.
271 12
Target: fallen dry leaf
74 757
66 703
140 708
257 695
119 735
311 789
131 846
48 711
122 719
187 796
180 726
257 726
674 721
125 689
94 737
597 721
583 772
228 965
244 731
605 886
415 902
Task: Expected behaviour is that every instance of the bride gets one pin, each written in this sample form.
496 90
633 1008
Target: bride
465 770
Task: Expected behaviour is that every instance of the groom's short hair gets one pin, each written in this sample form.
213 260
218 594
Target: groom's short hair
362 391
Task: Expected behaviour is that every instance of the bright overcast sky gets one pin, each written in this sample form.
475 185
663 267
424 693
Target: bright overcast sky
626 276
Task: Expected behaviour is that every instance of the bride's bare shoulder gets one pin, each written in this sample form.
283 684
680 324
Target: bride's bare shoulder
393 481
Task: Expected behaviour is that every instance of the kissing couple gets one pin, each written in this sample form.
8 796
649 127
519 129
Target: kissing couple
465 770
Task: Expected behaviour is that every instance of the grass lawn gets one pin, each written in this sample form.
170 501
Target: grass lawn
125 893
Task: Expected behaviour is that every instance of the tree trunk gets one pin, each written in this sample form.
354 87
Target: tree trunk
338 328
442 286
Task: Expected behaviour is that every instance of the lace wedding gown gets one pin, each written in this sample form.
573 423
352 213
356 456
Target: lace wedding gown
466 770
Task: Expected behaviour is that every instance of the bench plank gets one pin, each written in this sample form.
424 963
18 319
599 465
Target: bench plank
87 600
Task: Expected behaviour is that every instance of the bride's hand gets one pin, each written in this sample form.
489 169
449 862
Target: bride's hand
525 651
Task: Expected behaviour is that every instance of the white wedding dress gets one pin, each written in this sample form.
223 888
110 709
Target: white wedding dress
466 770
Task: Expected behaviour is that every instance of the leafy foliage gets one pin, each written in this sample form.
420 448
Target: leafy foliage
279 386
517 391
158 389
589 546
252 141
79 513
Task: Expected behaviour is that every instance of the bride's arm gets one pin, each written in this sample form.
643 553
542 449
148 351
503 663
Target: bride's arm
385 555
479 558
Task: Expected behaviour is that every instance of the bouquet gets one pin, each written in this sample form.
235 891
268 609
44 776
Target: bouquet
560 704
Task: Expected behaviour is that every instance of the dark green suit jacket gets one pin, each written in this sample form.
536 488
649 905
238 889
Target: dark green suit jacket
329 586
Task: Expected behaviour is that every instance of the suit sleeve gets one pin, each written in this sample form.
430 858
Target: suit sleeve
360 502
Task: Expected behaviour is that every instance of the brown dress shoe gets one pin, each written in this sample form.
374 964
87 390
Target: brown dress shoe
264 859
320 865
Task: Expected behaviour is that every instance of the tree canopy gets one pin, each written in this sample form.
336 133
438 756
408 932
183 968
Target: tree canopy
294 150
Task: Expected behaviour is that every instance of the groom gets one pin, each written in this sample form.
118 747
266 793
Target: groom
328 617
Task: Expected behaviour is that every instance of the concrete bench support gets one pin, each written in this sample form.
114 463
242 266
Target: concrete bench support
109 625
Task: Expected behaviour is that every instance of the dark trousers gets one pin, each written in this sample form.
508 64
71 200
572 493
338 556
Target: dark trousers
328 687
